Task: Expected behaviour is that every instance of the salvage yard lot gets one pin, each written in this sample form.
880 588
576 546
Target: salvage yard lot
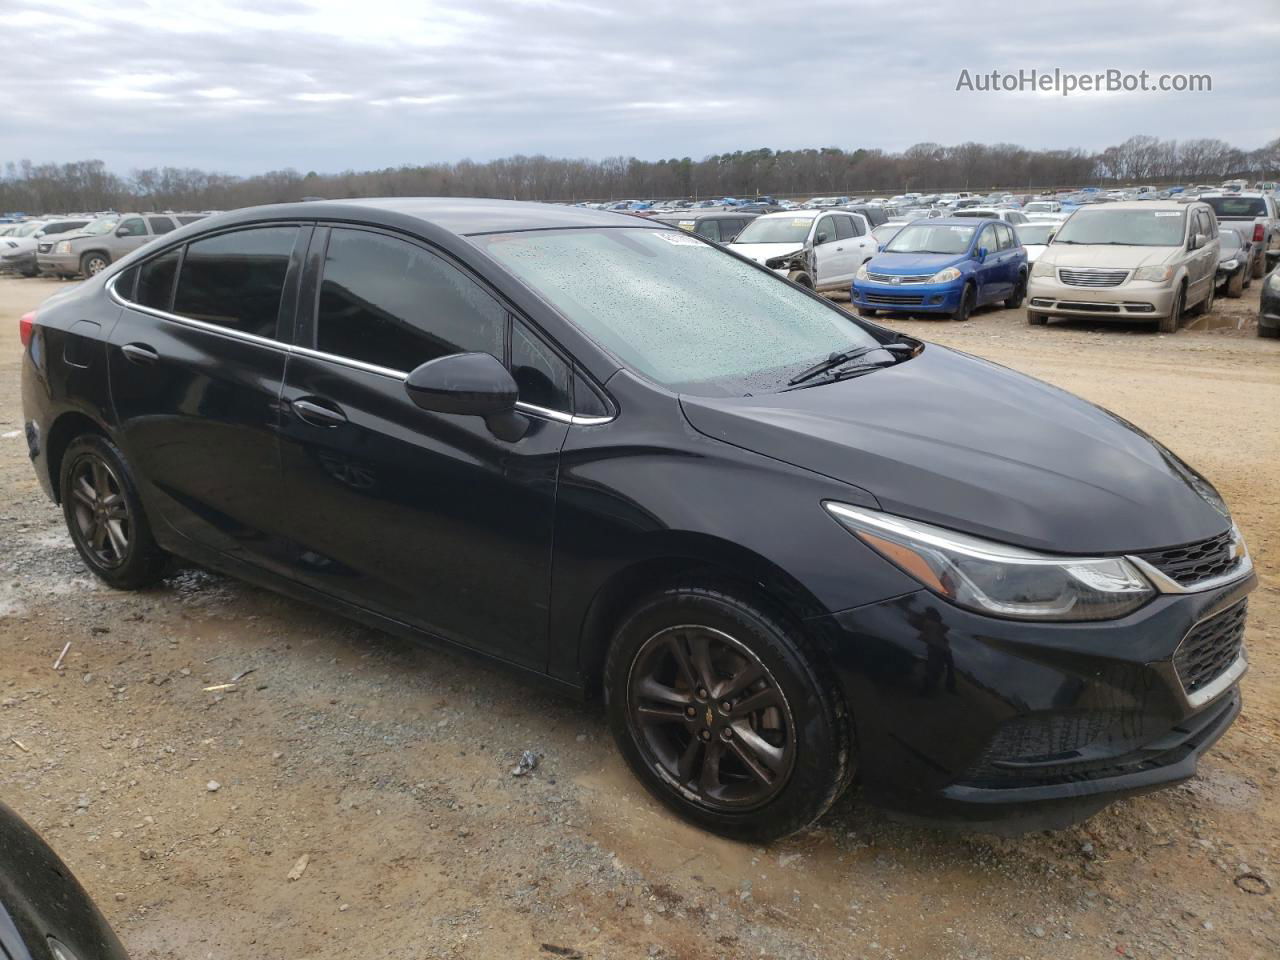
183 811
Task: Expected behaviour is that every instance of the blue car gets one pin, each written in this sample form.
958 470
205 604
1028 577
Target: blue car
949 265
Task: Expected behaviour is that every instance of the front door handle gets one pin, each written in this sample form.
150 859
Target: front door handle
140 353
318 414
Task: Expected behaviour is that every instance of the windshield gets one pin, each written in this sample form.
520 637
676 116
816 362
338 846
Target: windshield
1240 207
776 230
679 311
931 238
100 226
1035 232
1230 240
27 229
1042 206
1137 228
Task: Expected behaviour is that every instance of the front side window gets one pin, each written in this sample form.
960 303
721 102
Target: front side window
678 311
132 227
543 378
236 279
391 303
931 238
1140 228
825 232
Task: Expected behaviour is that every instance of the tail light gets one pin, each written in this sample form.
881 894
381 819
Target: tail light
1258 233
26 326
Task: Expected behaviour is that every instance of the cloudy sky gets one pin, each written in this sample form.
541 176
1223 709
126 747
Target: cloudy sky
336 84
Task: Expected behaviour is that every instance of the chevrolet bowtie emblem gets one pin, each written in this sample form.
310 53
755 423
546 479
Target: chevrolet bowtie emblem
710 718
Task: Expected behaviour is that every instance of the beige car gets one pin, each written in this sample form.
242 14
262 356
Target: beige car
1143 260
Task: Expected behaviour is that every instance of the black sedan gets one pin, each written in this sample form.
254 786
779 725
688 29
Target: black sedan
1233 273
787 546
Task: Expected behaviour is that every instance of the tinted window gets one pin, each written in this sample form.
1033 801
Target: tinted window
160 224
543 378
63 226
844 228
709 229
132 227
1006 237
860 226
1249 207
192 218
155 281
236 279
388 302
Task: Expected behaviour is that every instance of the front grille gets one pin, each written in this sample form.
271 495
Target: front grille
896 278
1193 563
896 299
1210 648
1087 277
44 247
1087 307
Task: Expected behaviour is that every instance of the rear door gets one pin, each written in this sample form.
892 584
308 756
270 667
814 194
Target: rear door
425 517
991 270
196 364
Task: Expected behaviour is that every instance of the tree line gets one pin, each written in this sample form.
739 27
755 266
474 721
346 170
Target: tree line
87 185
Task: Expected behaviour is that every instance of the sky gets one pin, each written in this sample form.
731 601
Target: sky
329 85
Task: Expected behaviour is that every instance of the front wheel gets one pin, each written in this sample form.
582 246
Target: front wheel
868 313
803 279
968 300
92 264
105 517
1171 323
721 712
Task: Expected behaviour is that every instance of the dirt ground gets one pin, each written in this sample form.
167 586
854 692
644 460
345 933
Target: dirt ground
388 765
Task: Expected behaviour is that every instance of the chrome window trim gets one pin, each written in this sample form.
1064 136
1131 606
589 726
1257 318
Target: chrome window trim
547 414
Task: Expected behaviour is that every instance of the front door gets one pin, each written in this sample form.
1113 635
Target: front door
196 367
832 256
428 518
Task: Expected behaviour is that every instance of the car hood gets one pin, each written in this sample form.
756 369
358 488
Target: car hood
956 441
760 252
914 263
1107 257
10 246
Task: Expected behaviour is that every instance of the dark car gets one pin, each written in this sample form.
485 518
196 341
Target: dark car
44 913
1234 273
785 545
874 213
718 226
1269 309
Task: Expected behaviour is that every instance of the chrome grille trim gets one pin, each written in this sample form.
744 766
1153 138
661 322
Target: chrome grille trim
1091 277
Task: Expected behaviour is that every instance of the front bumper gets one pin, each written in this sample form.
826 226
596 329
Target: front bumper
1132 300
1013 726
907 297
18 263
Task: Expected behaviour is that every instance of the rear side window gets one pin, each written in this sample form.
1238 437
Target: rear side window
543 378
391 303
155 281
236 279
1006 236
1250 207
844 228
160 224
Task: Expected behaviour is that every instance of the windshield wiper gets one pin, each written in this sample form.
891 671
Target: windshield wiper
841 357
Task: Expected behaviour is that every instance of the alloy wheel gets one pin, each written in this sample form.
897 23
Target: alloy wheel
710 718
102 520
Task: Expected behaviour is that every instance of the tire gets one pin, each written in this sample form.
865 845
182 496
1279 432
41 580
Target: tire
671 725
968 300
1171 323
1269 332
1037 319
803 279
1259 266
104 515
1235 286
1206 305
1019 293
868 313
92 264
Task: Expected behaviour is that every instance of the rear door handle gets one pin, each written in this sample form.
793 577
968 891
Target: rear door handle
139 353
318 413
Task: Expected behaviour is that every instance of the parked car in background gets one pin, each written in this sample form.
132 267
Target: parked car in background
789 546
873 213
1035 237
18 247
819 249
1233 264
1034 207
45 914
951 265
719 226
105 240
819 202
1015 217
1139 260
1269 310
1256 217
887 231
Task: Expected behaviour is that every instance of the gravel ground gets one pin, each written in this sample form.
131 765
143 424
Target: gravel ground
387 766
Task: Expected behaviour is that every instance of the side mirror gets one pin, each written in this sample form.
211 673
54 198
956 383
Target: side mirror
982 254
469 384
820 237
1198 240
880 248
121 232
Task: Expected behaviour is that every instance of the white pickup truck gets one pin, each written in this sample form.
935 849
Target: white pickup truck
1256 218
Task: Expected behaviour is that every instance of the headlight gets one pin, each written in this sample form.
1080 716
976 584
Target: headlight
862 273
997 579
945 276
1273 281
62 246
1042 269
1229 264
1154 274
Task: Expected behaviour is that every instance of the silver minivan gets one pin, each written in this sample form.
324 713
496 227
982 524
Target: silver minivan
1142 260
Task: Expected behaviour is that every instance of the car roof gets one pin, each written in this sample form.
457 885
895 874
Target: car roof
669 216
1147 205
463 216
956 221
1247 194
796 214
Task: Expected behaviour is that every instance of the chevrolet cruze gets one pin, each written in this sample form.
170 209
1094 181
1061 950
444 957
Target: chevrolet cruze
788 548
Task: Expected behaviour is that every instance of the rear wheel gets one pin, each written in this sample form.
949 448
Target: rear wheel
105 517
968 300
1235 286
1019 293
92 264
719 710
1171 323
1259 265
